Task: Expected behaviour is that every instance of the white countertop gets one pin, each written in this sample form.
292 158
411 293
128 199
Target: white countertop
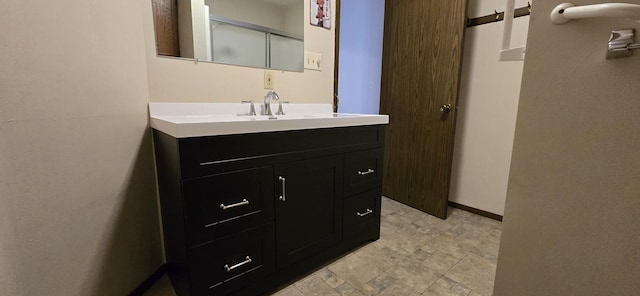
185 120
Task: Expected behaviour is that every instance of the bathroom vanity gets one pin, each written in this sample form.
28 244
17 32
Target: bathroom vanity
249 203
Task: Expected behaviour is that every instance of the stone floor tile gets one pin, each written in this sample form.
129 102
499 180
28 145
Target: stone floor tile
355 270
436 290
447 287
411 214
460 289
314 285
422 254
390 206
434 223
378 284
398 220
474 272
451 246
289 291
397 289
347 289
381 256
458 212
330 278
471 228
440 262
488 248
446 282
406 240
414 274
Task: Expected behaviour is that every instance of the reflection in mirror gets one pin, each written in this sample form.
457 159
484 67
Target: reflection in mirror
255 33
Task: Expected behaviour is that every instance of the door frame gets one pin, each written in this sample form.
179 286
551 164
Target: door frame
336 57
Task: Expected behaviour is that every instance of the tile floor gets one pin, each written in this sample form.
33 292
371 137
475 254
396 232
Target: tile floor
417 254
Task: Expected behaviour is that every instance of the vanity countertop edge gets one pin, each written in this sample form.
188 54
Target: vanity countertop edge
185 120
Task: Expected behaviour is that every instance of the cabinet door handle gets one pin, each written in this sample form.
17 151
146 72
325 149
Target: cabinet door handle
283 181
242 203
369 171
369 211
232 267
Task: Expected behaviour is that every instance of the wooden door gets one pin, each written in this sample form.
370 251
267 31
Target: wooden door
421 63
309 210
165 23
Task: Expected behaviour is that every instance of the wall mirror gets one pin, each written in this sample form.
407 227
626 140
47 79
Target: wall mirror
265 34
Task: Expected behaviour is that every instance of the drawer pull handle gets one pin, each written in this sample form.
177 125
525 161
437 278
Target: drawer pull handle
369 211
369 171
283 197
230 268
242 203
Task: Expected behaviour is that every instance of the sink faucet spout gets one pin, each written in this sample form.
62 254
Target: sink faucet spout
267 101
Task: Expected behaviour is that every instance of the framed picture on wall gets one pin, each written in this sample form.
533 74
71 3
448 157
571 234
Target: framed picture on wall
320 13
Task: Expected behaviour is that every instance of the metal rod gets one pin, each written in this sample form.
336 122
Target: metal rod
230 268
369 211
254 27
494 18
368 171
283 197
242 203
565 12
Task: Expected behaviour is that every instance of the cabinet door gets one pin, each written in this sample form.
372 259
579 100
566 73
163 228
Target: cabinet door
308 208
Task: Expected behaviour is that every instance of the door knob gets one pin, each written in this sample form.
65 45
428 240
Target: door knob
445 108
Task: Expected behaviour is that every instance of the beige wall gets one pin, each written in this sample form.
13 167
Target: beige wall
78 205
573 201
178 80
78 212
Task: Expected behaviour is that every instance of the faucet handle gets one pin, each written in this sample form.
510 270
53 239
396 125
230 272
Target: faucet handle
280 111
252 110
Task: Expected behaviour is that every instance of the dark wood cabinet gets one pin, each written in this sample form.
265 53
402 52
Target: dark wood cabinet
219 204
228 264
309 214
245 214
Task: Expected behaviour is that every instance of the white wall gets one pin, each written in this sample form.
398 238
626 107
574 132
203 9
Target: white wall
571 219
360 58
177 80
78 211
488 105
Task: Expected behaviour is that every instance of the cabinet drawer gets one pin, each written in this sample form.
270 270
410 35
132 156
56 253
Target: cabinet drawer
362 213
220 204
362 171
233 262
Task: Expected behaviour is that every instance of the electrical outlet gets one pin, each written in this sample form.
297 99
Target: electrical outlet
268 80
312 61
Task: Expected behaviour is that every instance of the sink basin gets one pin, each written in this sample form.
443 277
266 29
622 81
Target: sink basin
185 124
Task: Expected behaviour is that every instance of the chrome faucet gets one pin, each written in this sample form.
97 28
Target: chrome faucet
252 110
267 101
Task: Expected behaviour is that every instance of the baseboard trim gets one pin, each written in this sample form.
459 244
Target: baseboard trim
476 211
152 279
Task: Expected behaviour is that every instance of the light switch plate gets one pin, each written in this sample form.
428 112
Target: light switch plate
313 61
268 80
